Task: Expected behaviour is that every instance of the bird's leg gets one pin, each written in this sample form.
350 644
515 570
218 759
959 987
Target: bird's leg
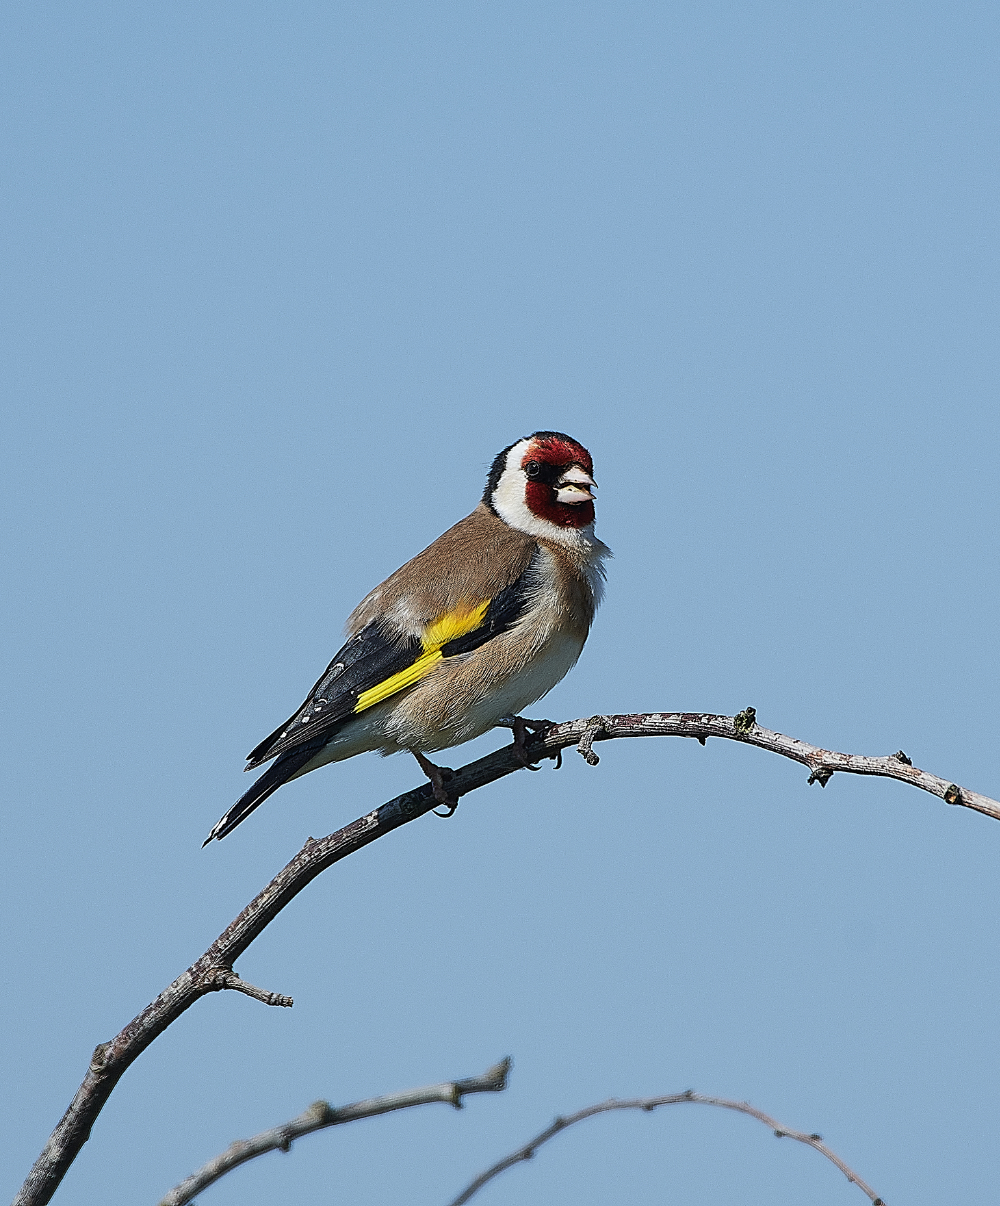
437 775
522 728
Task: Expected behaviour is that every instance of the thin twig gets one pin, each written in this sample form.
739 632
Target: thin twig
652 1103
214 970
229 979
321 1115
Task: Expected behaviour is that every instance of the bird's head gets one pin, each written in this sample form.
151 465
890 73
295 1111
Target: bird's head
542 485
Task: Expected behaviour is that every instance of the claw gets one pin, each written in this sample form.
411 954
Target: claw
522 728
438 776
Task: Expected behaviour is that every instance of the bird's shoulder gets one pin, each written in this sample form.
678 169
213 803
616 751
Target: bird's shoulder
475 560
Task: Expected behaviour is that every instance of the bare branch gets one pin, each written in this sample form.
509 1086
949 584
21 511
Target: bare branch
214 970
321 1115
743 727
652 1103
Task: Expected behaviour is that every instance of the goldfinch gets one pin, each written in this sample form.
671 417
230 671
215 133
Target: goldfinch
476 627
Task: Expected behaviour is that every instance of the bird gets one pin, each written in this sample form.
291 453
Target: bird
464 636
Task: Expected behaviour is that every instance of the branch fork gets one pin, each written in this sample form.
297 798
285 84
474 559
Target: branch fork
596 729
220 978
213 971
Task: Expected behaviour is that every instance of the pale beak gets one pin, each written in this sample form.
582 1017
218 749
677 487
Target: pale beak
572 487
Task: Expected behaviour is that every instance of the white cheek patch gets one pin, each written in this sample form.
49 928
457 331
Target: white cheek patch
508 497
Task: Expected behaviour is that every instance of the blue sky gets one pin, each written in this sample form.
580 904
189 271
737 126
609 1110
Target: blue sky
280 280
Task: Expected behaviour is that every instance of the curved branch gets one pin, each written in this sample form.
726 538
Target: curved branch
743 727
214 970
652 1103
321 1115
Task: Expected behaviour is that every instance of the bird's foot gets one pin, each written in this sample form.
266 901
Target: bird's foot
438 775
522 729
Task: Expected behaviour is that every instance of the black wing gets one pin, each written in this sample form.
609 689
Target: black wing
369 657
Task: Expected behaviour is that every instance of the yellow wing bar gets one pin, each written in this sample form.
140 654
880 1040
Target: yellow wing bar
396 682
453 624
446 627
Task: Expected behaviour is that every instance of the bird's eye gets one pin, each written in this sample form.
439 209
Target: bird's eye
532 469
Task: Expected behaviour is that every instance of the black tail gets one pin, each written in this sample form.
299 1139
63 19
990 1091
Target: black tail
269 782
